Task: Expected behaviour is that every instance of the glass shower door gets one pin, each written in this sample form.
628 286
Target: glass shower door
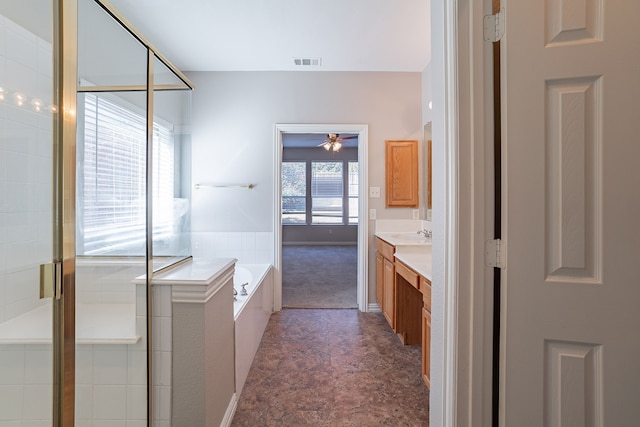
26 211
111 223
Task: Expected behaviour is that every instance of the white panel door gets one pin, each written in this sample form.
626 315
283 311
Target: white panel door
571 218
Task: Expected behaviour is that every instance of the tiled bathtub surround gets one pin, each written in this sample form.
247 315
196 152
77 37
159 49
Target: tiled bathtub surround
246 247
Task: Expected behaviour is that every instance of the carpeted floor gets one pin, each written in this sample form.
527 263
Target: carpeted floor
319 276
333 368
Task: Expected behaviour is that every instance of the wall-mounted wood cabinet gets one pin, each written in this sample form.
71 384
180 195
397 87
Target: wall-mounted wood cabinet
401 157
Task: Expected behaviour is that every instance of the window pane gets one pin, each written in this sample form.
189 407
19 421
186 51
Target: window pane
294 190
353 192
112 176
171 169
326 192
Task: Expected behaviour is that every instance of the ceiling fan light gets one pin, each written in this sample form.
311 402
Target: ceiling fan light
327 146
337 146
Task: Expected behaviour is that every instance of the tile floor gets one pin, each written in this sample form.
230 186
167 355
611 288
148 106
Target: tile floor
318 367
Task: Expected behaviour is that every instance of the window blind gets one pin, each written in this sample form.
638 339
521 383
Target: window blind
112 192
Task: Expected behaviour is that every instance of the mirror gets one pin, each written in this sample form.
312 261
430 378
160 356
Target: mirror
427 170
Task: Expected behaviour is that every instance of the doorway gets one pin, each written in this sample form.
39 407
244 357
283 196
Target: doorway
320 193
362 207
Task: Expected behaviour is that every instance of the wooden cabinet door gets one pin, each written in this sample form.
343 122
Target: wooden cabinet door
426 347
379 280
389 297
401 173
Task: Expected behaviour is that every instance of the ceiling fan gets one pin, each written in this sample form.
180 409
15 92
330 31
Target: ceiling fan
334 142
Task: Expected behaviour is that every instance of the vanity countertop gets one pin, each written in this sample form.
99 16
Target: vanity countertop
404 238
416 257
412 249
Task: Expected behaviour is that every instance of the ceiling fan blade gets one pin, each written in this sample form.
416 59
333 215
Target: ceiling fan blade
348 137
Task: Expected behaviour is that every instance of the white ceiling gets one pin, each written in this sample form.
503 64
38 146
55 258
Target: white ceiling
251 35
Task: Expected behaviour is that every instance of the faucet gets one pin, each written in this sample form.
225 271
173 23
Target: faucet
235 293
427 233
244 289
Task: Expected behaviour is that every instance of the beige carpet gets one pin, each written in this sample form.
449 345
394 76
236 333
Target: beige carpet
319 276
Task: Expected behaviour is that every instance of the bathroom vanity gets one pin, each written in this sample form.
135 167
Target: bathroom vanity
403 288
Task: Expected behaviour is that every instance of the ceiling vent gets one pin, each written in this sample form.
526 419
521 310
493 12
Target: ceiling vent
307 62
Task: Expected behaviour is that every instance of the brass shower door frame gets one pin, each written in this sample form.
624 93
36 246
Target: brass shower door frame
65 91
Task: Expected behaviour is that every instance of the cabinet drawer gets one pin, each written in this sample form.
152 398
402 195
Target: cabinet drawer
408 274
425 287
386 250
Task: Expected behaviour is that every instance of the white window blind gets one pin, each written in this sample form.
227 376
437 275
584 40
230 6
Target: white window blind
112 192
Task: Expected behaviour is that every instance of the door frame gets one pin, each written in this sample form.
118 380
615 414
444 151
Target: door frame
462 134
363 204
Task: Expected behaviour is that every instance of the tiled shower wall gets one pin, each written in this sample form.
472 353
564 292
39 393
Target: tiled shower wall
25 166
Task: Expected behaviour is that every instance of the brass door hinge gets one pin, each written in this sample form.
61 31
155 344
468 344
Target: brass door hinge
51 280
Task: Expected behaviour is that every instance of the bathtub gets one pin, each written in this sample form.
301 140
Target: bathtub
251 314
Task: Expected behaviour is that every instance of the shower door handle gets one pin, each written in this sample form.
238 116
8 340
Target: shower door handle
50 280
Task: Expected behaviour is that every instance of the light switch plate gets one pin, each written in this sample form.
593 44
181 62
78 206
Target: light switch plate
372 214
374 192
415 214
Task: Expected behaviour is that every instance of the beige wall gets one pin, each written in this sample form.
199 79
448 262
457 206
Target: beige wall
233 118
234 114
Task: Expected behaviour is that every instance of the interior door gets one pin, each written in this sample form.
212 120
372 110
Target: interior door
570 345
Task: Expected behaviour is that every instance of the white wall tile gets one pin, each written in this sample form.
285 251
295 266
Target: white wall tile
84 364
18 167
109 423
45 58
264 257
38 367
162 301
141 330
21 45
109 367
37 402
3 315
162 334
136 402
84 402
20 78
162 368
162 403
19 307
38 423
137 368
196 245
11 366
11 402
109 402
235 245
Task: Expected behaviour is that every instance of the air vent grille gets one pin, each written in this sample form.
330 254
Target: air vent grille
307 62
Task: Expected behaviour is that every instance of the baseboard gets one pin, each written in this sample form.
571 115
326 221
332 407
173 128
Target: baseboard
373 308
231 411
